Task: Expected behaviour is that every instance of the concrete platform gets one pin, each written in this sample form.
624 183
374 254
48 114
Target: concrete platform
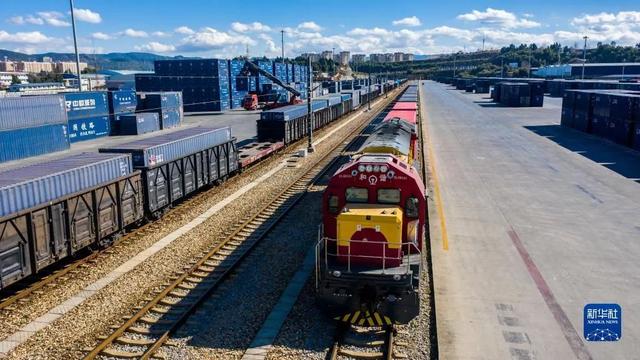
242 122
540 220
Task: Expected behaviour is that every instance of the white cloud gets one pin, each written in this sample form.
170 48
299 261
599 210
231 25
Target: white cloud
184 30
53 18
309 25
250 27
498 17
209 38
34 20
135 33
87 15
160 34
33 37
456 33
156 47
408 21
17 20
101 36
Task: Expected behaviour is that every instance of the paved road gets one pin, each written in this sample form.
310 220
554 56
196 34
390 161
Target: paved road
242 122
541 220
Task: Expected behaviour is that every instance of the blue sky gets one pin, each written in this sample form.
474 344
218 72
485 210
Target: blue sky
226 28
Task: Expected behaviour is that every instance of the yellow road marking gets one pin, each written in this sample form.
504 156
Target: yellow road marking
436 186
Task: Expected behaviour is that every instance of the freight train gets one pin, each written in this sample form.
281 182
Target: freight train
374 218
50 212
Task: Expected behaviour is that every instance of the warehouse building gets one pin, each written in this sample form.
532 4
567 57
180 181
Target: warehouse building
595 70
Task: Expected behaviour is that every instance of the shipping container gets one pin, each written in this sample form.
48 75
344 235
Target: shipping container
568 107
88 115
121 102
177 164
583 115
26 142
82 129
36 184
168 105
139 123
32 111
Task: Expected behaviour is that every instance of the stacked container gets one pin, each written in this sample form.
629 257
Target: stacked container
121 102
167 104
280 71
267 66
88 115
240 84
204 83
140 123
32 125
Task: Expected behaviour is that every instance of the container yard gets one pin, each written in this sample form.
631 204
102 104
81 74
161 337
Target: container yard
236 191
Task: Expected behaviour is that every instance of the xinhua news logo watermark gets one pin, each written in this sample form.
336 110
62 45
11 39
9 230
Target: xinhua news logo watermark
602 322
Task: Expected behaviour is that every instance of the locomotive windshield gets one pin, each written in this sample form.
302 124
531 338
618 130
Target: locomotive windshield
357 195
388 196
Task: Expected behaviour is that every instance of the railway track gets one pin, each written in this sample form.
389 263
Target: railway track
144 333
355 342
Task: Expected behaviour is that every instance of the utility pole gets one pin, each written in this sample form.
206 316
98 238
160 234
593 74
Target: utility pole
282 43
75 45
369 95
530 51
454 64
310 117
584 55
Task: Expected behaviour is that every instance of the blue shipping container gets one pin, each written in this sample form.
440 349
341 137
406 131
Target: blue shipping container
140 123
160 149
88 128
168 105
41 183
30 111
121 102
85 105
22 143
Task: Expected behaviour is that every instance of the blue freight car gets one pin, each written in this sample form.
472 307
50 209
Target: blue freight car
140 123
40 183
177 164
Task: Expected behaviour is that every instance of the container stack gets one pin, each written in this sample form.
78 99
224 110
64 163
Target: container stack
204 83
240 84
121 102
517 94
267 66
31 126
613 115
88 115
290 73
168 105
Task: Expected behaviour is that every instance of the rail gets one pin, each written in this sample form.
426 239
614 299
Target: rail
172 306
362 350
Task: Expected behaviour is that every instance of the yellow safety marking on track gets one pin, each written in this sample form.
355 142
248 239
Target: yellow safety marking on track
378 319
361 322
355 317
436 190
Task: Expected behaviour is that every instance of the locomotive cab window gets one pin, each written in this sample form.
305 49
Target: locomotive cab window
388 196
411 207
357 195
333 204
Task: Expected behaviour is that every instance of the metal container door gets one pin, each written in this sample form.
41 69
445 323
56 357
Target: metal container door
14 251
81 220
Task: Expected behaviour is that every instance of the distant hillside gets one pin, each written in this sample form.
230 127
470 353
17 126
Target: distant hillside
115 61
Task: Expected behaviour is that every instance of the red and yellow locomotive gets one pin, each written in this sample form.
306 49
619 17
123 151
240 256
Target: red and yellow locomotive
374 218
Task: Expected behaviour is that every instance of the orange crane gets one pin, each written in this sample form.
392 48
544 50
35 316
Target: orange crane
250 101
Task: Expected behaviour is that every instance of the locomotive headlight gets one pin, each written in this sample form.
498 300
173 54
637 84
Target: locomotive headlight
336 273
397 277
376 168
361 168
384 168
369 168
